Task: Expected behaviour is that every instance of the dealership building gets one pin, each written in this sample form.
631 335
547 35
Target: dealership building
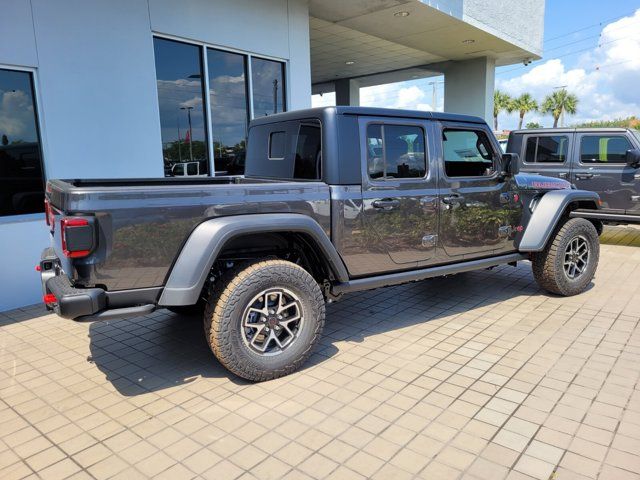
155 88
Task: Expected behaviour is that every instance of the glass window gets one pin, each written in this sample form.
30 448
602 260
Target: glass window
21 179
182 113
547 149
395 151
277 143
604 149
229 107
308 161
267 80
467 153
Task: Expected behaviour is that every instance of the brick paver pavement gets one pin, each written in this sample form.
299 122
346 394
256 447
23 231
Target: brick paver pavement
480 375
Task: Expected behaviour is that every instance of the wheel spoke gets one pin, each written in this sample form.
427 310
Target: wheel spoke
284 308
272 321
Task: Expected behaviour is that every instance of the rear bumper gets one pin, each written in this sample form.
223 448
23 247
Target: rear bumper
85 304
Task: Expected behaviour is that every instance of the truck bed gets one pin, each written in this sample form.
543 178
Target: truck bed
143 223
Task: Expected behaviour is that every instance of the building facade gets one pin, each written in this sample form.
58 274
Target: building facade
154 88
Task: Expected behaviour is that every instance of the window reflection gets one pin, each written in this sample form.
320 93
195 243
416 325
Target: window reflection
267 78
228 97
182 118
21 182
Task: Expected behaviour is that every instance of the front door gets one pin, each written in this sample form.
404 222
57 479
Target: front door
600 166
399 195
478 211
546 154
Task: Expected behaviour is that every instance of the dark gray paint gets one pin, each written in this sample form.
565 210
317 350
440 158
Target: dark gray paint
144 224
147 225
618 185
205 243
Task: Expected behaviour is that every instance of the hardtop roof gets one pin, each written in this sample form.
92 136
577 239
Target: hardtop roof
319 112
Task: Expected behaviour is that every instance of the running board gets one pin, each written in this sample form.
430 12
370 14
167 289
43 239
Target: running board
369 283
605 217
117 313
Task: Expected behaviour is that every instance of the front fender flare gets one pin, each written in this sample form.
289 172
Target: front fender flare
546 215
205 243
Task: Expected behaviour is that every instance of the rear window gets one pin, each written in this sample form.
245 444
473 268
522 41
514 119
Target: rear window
547 149
604 149
285 150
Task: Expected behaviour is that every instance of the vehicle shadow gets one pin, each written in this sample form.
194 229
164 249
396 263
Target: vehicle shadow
163 350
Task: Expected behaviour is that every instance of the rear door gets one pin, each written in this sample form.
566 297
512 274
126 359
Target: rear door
600 166
634 209
399 194
479 211
546 154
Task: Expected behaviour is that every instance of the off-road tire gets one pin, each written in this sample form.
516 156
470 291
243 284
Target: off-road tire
225 308
548 265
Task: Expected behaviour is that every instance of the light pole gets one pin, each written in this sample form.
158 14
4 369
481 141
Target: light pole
561 108
434 95
275 95
188 109
179 139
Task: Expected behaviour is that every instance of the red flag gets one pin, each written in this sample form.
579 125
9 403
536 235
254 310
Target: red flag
187 137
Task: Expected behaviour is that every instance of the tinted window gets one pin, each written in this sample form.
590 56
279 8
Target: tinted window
228 98
395 151
546 149
308 159
267 78
604 149
182 114
467 153
21 182
192 169
277 144
285 150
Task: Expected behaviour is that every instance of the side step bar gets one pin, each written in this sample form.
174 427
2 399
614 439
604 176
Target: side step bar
415 275
605 217
116 313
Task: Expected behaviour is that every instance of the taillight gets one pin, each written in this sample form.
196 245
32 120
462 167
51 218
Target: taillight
49 298
49 216
77 236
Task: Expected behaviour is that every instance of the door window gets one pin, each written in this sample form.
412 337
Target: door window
604 149
468 153
395 151
547 149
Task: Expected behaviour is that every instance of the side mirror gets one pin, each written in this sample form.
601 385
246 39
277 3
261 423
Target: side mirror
633 158
509 164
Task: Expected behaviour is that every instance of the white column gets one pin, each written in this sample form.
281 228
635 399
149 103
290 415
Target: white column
347 92
468 87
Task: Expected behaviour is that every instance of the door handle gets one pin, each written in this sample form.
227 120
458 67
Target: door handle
453 199
386 203
584 176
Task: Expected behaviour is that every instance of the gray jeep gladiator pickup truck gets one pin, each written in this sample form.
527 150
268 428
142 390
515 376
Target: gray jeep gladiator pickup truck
334 200
602 160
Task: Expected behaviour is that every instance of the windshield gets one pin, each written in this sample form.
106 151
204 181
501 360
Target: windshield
636 133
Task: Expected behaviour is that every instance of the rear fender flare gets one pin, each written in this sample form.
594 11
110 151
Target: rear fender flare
547 214
207 240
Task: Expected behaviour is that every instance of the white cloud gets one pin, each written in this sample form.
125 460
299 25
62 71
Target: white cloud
16 116
605 79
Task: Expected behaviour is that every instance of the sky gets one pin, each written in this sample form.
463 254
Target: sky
592 47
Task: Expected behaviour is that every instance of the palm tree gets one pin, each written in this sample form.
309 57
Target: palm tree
525 103
558 102
501 102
